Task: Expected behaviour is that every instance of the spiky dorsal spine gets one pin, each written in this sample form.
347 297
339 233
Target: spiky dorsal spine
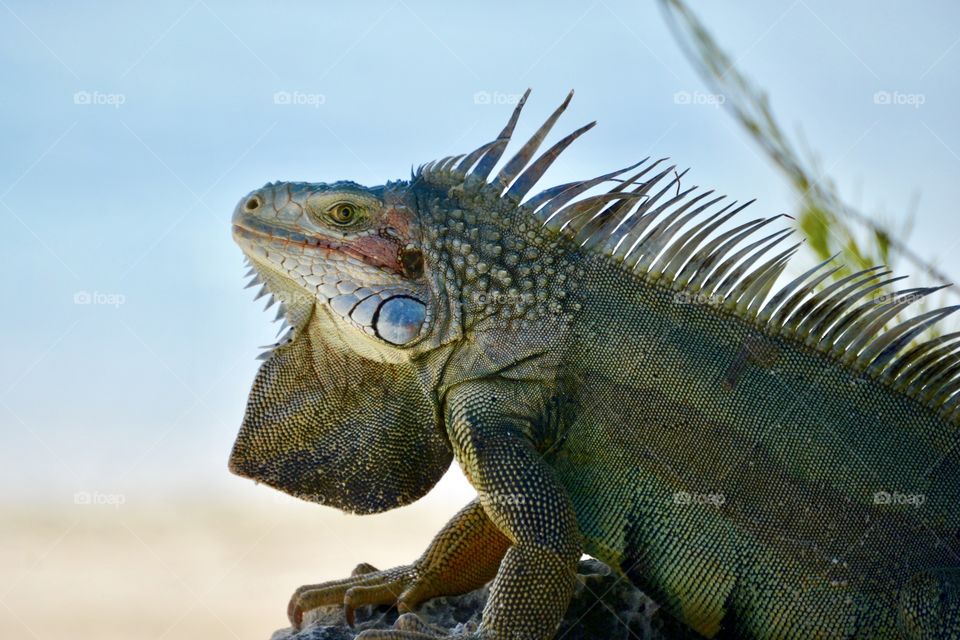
670 237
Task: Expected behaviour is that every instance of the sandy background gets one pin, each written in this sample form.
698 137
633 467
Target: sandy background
188 567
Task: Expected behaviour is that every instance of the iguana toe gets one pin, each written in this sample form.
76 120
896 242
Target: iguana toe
386 593
365 586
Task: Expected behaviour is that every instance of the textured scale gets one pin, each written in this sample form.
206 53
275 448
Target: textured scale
617 373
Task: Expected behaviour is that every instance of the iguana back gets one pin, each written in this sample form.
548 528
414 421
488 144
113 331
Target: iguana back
763 464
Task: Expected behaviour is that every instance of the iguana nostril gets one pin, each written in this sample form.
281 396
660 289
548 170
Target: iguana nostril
399 319
252 204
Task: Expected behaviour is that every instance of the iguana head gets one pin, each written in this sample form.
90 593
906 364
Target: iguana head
353 250
340 413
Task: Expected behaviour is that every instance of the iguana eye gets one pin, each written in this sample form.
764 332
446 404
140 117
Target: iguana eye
343 213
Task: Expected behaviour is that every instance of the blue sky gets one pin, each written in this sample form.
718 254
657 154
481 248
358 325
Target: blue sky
130 130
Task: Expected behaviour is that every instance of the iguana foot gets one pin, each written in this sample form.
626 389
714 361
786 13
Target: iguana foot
410 627
365 586
464 556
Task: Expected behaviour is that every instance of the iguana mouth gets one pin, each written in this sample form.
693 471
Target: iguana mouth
251 230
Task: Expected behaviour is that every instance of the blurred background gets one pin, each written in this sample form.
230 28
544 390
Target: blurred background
130 129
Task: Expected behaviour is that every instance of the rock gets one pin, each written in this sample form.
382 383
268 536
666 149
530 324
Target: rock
604 607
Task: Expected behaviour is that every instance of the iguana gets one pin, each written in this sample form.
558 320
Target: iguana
616 375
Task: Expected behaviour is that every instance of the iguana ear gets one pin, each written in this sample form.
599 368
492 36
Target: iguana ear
328 425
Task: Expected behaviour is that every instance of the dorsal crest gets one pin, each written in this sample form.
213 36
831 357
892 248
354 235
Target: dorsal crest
674 237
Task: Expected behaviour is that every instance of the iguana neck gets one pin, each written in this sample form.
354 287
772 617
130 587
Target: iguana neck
506 271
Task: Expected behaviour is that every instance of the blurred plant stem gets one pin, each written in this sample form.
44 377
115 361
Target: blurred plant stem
829 224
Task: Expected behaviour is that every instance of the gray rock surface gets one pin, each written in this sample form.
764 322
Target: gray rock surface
604 607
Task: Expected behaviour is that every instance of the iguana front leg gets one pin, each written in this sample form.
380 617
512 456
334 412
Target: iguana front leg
464 556
490 425
521 506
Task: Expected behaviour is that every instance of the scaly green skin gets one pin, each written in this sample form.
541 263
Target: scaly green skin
722 465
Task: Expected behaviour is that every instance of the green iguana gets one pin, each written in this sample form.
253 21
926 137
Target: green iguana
614 376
